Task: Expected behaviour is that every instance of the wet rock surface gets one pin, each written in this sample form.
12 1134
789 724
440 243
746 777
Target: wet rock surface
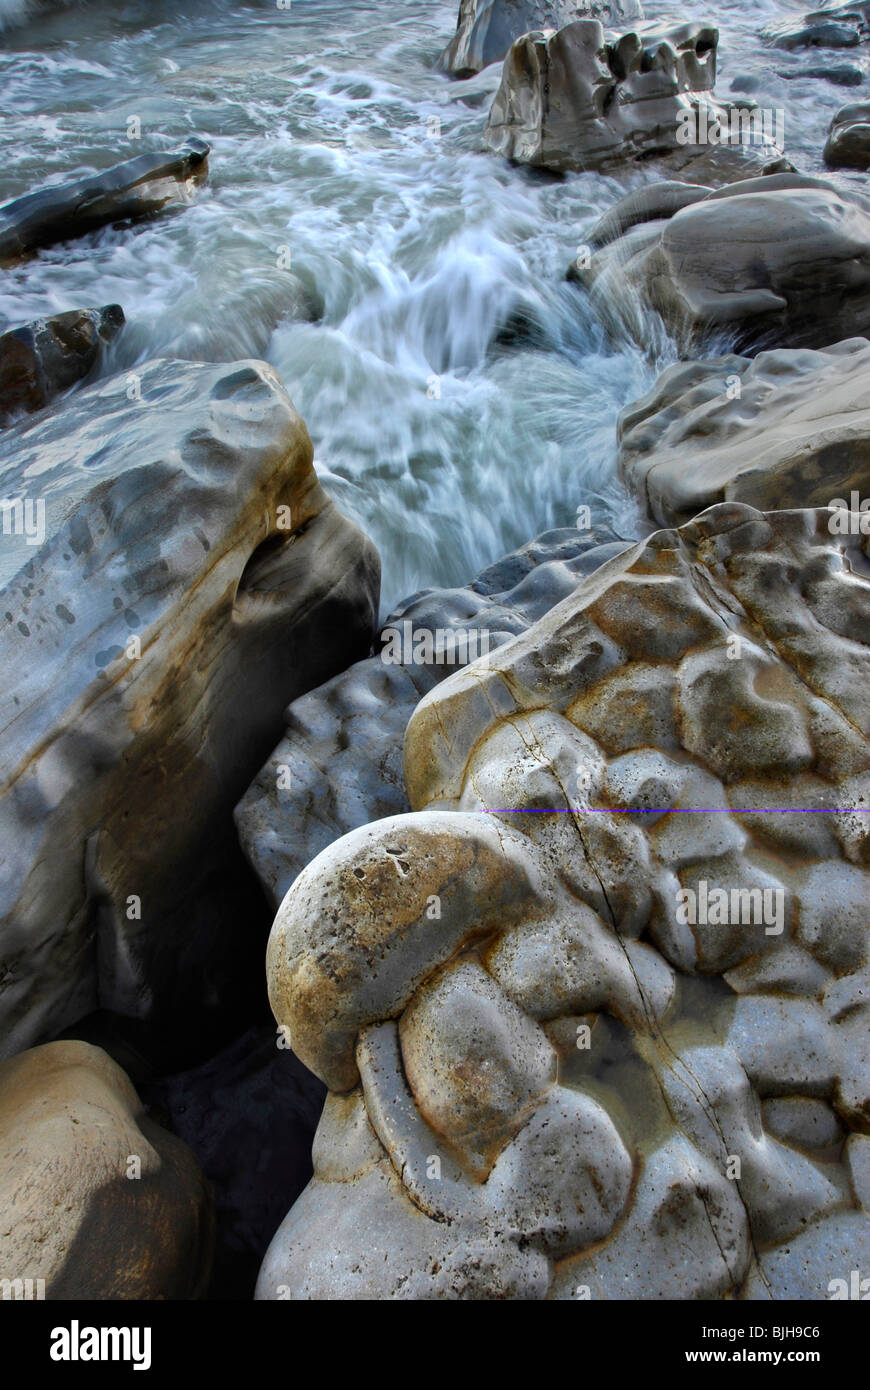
40 360
848 143
178 576
486 29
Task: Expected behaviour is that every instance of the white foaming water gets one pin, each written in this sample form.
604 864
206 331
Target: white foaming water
335 136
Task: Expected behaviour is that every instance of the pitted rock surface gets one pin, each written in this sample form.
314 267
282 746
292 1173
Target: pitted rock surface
558 1065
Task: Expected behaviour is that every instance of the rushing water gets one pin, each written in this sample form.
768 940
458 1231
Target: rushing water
334 135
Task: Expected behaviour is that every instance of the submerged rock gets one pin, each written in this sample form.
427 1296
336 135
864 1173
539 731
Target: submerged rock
782 261
339 764
784 429
486 29
577 99
171 575
98 1201
136 189
848 143
40 360
550 1001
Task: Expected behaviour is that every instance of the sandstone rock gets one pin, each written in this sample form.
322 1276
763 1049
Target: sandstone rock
172 574
137 188
788 428
848 143
98 1201
652 746
575 100
40 360
486 29
781 261
339 764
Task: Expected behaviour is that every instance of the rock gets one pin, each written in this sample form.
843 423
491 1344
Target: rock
130 191
177 578
781 261
840 74
843 26
486 29
575 100
788 428
848 143
339 764
40 360
592 866
99 1202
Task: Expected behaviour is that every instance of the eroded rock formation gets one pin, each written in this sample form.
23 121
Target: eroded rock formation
581 99
848 143
486 29
172 574
555 1069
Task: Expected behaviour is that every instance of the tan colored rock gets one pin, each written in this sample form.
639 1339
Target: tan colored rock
98 1201
567 1081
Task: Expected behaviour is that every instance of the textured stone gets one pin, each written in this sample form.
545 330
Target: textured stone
837 26
782 261
192 578
136 189
77 1213
788 428
674 1032
486 29
41 359
578 99
339 764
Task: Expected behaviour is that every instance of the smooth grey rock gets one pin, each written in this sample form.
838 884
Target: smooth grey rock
136 189
788 428
486 29
191 579
782 261
40 360
848 143
580 99
842 26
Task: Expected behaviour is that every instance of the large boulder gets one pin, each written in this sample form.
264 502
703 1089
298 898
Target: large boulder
848 143
339 764
98 1201
136 189
578 99
554 1002
486 29
788 428
782 261
40 360
172 574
